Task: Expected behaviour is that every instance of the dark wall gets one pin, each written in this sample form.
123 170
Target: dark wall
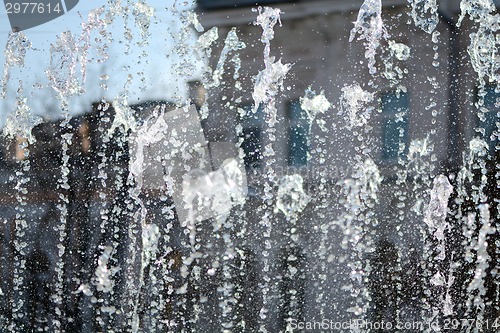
222 4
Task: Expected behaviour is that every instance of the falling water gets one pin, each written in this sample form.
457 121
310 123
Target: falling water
179 234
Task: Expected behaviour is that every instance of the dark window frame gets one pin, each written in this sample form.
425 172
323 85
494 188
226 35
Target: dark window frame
492 117
389 117
300 127
252 123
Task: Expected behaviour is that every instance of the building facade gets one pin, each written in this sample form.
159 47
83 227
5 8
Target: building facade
345 240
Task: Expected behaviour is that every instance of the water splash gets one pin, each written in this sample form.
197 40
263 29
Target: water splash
291 198
269 81
268 84
21 122
15 52
393 58
143 14
361 196
104 274
370 27
354 105
437 211
476 288
124 115
231 44
425 14
477 10
314 104
204 191
151 242
484 45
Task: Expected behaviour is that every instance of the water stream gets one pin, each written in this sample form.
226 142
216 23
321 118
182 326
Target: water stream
164 189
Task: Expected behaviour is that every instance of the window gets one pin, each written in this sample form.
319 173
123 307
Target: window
489 122
297 135
394 124
251 123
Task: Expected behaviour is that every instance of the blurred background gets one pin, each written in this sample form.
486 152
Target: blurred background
345 215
